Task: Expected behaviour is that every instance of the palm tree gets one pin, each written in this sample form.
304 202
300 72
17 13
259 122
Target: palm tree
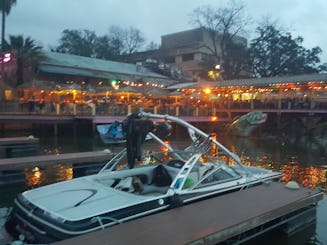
26 53
5 7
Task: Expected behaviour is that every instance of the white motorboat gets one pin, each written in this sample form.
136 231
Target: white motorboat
134 183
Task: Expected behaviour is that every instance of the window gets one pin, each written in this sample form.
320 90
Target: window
170 59
216 177
187 57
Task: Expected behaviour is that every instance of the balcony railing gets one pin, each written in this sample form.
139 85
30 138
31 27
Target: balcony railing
227 110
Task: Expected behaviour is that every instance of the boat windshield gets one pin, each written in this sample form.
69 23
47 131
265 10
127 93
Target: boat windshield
170 158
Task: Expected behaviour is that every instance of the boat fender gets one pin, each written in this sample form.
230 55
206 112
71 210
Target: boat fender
293 185
175 201
107 151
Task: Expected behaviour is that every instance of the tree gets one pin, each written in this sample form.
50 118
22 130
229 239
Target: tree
5 7
104 48
26 53
134 40
127 40
78 42
275 52
152 46
87 43
224 26
116 35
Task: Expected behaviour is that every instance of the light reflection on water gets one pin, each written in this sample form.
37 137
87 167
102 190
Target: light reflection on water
43 176
310 176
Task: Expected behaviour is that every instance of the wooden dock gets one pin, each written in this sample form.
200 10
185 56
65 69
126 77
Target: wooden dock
45 160
211 221
16 146
18 141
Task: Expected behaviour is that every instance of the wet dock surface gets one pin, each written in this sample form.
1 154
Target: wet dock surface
207 222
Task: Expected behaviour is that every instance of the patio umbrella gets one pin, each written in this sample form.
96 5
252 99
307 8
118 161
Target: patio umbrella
214 97
66 86
128 91
73 86
196 95
5 86
176 94
100 89
158 92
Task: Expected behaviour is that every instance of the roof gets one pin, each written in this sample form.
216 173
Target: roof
60 63
265 81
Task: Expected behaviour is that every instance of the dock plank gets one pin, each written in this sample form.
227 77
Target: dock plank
18 141
43 160
206 222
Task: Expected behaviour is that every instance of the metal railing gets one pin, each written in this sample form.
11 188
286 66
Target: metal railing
204 109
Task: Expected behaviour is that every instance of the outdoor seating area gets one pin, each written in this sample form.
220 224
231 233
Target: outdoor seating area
42 97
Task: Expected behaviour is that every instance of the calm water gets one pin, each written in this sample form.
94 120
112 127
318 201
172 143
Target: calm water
301 161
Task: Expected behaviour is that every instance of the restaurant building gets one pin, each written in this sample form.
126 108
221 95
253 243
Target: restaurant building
67 84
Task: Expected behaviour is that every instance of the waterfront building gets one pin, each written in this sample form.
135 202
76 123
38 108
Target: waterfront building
188 51
73 85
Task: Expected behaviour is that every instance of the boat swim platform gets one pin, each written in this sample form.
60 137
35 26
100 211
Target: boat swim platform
47 160
213 221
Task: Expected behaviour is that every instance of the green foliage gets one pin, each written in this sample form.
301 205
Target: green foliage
27 54
78 42
237 61
275 53
6 5
87 43
105 48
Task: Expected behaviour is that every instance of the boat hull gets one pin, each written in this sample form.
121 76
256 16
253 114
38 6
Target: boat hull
38 228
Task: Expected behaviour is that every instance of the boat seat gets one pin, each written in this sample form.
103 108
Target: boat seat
152 190
161 176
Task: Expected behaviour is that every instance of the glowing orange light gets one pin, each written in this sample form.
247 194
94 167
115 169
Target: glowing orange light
207 91
214 118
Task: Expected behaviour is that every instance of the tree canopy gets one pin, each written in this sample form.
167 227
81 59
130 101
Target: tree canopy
224 24
86 43
79 42
27 54
275 52
5 7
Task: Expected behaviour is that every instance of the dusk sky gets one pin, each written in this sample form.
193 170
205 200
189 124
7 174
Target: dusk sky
44 20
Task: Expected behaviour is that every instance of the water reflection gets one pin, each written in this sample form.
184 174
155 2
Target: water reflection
302 165
38 176
307 176
267 153
309 171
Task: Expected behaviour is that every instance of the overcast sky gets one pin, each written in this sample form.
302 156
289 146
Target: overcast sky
44 20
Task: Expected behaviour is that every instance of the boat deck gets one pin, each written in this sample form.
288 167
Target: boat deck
207 222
